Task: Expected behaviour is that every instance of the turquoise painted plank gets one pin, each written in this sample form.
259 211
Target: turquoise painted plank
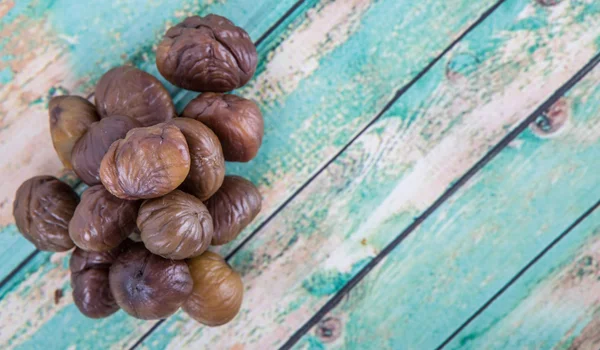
554 305
475 242
444 124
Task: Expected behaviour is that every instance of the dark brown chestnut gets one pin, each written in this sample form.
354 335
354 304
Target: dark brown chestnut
232 208
148 286
207 54
129 91
70 118
218 290
148 163
91 147
207 169
175 226
42 208
101 220
89 280
237 122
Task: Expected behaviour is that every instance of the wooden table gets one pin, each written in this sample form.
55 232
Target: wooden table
430 172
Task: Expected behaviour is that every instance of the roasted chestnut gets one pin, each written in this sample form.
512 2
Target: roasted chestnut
237 122
175 226
218 290
91 147
43 208
207 169
89 280
232 208
101 220
207 54
70 118
129 91
148 286
148 163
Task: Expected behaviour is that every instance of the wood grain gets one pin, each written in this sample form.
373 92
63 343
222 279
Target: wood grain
447 121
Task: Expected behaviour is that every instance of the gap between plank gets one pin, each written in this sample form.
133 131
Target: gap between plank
333 302
519 274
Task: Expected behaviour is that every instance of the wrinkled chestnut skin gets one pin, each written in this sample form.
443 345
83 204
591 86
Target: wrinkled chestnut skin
207 54
43 208
101 220
176 226
232 208
91 147
148 163
237 122
148 286
89 280
218 290
70 118
129 91
207 169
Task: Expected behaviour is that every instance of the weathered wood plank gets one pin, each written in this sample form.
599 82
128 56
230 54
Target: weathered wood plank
101 35
286 106
478 240
554 305
447 121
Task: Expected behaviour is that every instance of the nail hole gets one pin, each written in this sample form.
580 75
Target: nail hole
329 329
549 2
552 120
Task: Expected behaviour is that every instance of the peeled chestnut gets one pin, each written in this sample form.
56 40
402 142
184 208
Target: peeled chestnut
43 208
207 169
148 163
237 122
218 290
70 118
101 220
132 92
91 147
89 279
175 226
232 208
148 286
207 54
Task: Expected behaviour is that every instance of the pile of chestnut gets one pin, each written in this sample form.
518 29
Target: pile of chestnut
158 196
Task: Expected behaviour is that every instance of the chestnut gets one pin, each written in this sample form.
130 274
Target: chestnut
237 122
42 209
175 226
207 54
89 280
132 92
148 286
207 169
91 147
101 220
232 208
148 163
218 290
70 118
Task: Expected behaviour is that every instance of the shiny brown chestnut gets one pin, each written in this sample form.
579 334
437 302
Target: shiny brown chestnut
148 286
70 118
218 290
207 169
91 147
207 54
89 280
101 220
132 92
237 122
42 209
148 163
232 208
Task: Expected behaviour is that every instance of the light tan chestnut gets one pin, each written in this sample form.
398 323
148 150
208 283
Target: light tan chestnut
148 163
70 118
217 293
175 226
